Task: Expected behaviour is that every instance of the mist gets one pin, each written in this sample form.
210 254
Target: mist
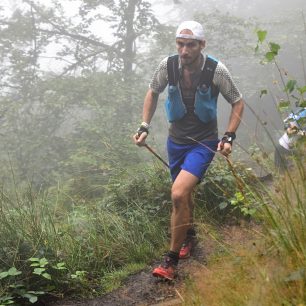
76 72
82 207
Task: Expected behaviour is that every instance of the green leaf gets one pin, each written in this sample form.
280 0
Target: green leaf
13 271
223 205
251 211
43 262
33 259
3 274
17 286
261 35
263 92
290 86
283 105
46 275
270 56
302 90
78 274
274 47
7 300
31 297
302 103
239 196
39 271
60 266
36 292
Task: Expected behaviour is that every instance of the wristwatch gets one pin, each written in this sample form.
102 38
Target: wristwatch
228 137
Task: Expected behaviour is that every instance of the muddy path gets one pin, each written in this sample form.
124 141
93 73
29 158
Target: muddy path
142 289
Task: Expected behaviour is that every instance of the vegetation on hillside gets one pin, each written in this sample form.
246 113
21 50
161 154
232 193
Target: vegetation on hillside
80 207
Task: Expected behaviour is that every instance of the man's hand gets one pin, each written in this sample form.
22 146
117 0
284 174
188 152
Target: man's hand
292 129
140 139
224 148
141 135
225 145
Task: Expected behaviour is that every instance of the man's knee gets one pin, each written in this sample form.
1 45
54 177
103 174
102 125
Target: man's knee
180 197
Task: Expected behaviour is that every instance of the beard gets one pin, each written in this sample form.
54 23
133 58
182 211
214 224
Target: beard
189 60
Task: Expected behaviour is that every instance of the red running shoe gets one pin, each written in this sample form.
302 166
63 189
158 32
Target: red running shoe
187 247
166 269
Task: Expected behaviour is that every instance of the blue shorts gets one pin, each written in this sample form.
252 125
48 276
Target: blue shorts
193 158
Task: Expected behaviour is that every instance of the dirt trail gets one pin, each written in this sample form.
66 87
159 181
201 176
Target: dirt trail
143 289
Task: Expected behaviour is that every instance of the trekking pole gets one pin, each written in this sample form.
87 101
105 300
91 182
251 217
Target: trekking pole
239 181
156 155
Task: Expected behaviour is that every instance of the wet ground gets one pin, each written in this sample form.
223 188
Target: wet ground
143 289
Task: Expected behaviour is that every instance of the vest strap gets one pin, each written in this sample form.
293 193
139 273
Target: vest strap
173 70
207 74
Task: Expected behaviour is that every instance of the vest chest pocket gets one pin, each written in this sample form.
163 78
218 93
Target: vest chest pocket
205 106
174 106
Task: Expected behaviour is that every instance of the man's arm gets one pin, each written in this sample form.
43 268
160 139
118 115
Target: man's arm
225 148
149 107
235 117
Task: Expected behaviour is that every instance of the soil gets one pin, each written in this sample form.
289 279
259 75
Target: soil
142 289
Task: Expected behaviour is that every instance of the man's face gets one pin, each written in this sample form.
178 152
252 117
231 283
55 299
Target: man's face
189 49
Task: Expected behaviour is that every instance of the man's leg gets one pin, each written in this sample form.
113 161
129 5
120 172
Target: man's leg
191 206
190 239
187 166
180 222
182 209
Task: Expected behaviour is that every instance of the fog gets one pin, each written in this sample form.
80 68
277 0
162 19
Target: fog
74 75
285 23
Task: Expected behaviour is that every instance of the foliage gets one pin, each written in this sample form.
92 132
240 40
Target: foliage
99 143
270 270
286 227
84 222
294 93
52 243
17 287
78 49
52 120
71 131
226 188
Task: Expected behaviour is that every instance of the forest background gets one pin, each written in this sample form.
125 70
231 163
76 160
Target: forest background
79 200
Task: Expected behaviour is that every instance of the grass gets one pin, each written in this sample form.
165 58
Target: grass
113 279
246 273
267 268
98 243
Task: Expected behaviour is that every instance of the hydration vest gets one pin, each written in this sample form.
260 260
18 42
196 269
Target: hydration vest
205 105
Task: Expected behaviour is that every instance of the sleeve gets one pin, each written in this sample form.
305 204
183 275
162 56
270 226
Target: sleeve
160 77
226 85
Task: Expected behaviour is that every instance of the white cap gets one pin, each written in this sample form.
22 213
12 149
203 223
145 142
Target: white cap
193 26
